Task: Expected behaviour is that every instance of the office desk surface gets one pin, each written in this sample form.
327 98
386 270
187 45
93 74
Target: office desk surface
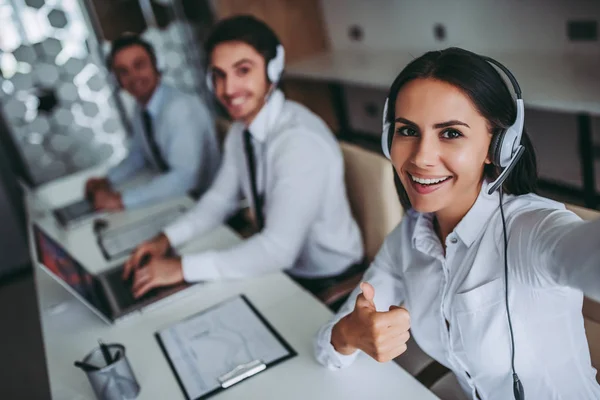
70 330
548 81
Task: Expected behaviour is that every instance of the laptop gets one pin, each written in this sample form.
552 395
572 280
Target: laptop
74 212
106 294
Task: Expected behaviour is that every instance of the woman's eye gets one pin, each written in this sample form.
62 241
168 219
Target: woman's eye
406 131
451 134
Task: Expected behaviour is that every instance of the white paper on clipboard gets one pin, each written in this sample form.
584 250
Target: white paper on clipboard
210 345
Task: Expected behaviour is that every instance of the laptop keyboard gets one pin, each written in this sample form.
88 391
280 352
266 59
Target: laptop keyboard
74 211
124 240
122 289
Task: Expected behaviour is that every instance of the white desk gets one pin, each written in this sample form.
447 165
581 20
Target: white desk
70 331
550 82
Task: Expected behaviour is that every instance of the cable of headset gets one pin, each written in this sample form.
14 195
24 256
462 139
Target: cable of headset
517 385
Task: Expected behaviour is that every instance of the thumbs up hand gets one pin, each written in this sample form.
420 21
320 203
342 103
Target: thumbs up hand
381 335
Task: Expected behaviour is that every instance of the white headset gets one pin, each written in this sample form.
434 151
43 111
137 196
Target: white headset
505 149
274 68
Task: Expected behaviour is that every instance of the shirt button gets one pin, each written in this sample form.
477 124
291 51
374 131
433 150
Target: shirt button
453 240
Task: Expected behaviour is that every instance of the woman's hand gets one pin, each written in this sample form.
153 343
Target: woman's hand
381 335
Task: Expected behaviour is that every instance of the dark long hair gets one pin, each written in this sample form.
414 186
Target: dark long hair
482 83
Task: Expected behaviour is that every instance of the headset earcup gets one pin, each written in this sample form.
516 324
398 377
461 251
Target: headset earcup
271 71
385 131
209 81
496 148
276 64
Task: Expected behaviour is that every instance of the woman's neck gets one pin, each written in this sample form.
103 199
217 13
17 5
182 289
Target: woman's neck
447 219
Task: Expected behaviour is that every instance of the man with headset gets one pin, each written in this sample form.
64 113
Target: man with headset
173 134
281 157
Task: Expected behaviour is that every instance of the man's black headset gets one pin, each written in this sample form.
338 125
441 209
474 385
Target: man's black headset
505 151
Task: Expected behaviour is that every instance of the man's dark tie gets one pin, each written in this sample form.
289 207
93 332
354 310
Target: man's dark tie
149 131
258 201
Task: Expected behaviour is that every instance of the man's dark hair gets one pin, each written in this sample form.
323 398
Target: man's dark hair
247 29
128 40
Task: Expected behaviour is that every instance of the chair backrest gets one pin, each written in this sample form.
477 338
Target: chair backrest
372 194
591 309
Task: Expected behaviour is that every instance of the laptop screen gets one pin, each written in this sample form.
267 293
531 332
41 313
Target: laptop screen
63 266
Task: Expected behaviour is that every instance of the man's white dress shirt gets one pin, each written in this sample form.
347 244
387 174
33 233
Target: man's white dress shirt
309 229
184 133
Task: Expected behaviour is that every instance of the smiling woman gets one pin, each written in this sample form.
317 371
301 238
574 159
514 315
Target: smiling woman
472 109
466 259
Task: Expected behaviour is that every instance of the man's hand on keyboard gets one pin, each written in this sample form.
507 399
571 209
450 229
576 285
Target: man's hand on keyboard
108 200
153 248
93 185
158 272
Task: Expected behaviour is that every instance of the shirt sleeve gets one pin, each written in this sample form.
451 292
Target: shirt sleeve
189 125
555 247
217 203
388 291
294 201
130 165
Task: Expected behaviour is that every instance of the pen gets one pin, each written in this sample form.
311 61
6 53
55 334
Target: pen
105 352
86 367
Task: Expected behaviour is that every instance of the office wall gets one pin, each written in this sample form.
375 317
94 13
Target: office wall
510 25
53 89
298 24
533 26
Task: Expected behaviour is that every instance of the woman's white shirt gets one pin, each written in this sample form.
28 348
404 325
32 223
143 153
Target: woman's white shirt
457 303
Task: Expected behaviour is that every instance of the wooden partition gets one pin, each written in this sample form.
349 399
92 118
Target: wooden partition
300 26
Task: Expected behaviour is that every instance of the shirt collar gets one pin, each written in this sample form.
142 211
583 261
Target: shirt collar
154 105
470 227
266 117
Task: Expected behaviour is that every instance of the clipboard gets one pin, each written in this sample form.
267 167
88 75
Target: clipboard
238 343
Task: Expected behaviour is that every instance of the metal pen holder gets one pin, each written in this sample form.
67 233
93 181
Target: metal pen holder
115 381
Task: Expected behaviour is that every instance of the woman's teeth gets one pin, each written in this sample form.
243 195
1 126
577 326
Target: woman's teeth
428 181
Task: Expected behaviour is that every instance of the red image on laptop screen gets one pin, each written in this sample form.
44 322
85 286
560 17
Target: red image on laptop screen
57 261
66 268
